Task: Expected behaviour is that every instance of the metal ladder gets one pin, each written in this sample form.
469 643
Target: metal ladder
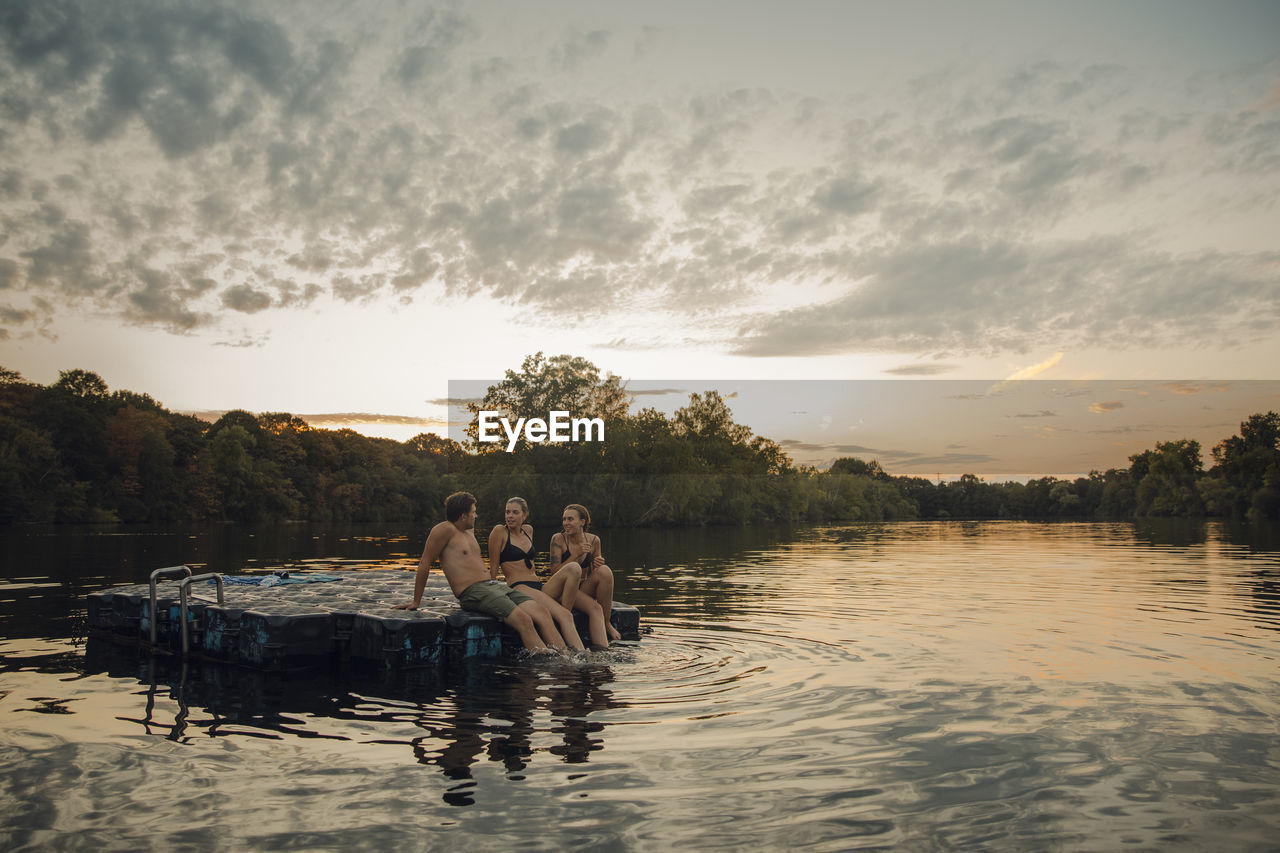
183 594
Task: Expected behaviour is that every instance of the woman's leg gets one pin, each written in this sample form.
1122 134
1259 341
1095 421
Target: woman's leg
595 620
563 585
600 587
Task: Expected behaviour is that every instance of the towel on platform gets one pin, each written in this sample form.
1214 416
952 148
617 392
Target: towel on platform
274 579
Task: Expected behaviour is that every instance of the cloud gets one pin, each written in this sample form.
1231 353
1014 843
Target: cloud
436 39
579 47
848 196
418 155
793 444
1109 406
945 460
336 420
191 76
581 137
67 261
861 450
920 369
1043 413
981 296
244 342
897 459
245 299
164 298
658 392
346 419
1025 374
634 345
1196 387
1035 369
8 273
459 402
357 289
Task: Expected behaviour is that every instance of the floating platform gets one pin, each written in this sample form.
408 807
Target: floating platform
302 622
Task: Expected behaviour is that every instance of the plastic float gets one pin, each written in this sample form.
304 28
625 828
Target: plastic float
298 620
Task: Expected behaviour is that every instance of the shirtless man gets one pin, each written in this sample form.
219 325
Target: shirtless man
454 543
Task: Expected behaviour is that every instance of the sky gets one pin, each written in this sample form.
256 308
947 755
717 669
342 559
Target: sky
335 210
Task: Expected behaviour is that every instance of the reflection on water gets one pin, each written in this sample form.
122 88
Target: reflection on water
926 686
502 712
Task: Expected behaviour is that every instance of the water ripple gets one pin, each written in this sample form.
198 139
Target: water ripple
916 686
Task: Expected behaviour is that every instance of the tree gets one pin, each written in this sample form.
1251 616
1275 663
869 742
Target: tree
858 468
143 402
435 445
73 413
1244 464
82 383
33 482
719 443
1168 485
233 472
1118 494
1218 496
771 455
1064 498
143 480
237 417
709 417
544 385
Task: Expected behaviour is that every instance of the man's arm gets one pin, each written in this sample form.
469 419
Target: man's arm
436 540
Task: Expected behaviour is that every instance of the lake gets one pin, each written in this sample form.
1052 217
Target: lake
924 686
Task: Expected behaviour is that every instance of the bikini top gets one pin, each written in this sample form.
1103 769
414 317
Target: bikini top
511 553
587 555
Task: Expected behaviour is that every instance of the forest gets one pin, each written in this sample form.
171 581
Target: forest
75 451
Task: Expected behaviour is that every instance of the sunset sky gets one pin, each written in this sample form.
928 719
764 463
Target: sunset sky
335 209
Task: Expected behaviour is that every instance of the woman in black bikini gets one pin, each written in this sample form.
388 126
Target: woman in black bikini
514 557
575 546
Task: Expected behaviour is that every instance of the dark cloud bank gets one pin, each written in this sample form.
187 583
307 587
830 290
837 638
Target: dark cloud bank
185 163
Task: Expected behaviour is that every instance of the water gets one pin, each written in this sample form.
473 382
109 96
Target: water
924 686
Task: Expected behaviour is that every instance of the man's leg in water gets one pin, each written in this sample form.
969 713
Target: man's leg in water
562 617
523 623
543 623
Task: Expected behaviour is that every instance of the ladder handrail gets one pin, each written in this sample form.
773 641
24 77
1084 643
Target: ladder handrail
157 573
183 586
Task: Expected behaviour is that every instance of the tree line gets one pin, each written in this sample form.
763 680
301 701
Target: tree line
74 451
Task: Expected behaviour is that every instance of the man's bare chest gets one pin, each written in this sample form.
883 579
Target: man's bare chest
463 549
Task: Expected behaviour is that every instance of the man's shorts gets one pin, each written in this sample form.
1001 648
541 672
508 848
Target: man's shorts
492 598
